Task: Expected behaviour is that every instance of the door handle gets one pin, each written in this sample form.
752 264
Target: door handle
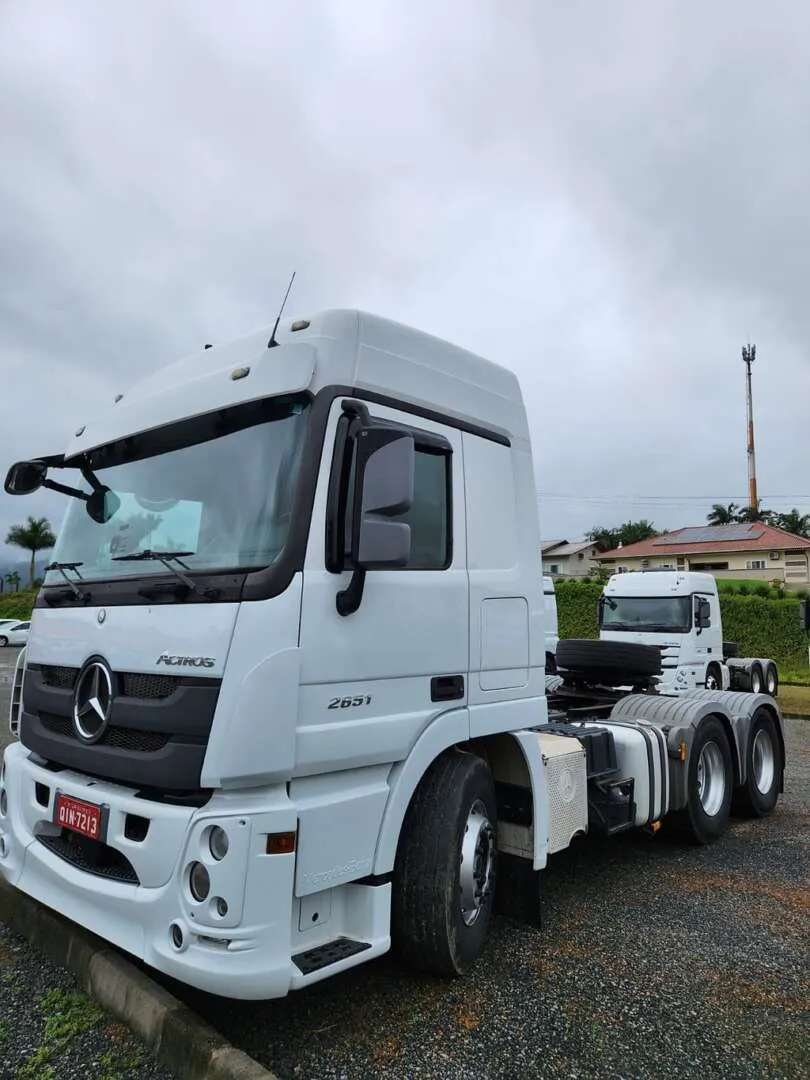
447 688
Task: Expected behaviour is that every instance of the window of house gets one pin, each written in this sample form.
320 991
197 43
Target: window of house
554 568
755 564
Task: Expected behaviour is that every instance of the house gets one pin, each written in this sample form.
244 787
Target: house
562 559
743 551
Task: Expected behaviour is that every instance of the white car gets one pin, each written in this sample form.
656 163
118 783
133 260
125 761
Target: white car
13 633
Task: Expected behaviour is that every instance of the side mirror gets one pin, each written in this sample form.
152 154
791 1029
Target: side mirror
384 488
702 614
25 477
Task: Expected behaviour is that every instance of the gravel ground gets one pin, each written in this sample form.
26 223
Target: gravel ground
654 961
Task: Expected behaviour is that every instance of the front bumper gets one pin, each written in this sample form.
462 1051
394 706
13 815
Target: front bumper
245 953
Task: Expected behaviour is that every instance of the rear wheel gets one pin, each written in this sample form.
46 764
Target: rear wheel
3 642
771 680
758 795
755 679
444 880
709 786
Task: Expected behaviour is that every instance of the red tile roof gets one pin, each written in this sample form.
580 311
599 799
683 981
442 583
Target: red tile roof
699 539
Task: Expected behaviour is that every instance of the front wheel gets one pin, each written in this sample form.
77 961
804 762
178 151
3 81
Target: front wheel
3 642
709 786
758 795
444 879
714 680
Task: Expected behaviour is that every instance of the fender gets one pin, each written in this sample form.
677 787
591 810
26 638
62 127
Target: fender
445 730
438 737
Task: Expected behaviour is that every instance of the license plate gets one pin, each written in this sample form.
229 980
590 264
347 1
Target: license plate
85 818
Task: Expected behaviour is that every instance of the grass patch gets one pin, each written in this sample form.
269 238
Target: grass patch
68 1013
794 700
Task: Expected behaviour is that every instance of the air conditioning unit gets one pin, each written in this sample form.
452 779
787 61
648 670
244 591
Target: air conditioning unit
774 555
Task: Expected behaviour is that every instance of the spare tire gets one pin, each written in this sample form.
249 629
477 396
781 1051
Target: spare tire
592 656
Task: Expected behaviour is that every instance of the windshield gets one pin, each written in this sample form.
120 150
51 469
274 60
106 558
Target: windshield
664 613
219 486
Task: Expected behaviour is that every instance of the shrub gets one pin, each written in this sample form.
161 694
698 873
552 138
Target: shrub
17 605
577 608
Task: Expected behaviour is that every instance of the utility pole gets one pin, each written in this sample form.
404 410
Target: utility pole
749 355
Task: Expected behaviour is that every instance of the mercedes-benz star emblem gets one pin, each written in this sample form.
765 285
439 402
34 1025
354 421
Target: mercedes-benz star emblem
92 701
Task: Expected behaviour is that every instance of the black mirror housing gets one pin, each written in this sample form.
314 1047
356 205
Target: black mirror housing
25 477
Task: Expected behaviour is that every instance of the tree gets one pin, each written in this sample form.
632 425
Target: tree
36 535
631 532
753 514
794 522
723 515
13 578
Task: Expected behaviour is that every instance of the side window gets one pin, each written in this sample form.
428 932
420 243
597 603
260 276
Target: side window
430 516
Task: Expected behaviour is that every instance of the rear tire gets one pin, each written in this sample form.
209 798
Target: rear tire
771 680
444 879
3 642
755 679
759 794
709 786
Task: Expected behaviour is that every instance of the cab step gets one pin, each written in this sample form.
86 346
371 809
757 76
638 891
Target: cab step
331 952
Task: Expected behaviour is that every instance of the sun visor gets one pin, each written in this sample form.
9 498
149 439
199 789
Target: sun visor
186 390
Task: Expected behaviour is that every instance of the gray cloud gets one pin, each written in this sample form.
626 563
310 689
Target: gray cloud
609 199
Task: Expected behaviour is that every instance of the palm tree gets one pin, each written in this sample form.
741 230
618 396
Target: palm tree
13 578
723 515
794 522
36 535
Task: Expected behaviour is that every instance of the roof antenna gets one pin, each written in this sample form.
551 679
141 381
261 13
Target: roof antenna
272 342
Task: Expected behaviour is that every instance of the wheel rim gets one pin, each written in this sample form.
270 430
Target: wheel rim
763 761
771 682
711 681
756 682
711 779
477 863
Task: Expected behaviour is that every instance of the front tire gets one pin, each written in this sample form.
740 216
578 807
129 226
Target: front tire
444 879
709 786
3 642
758 795
714 679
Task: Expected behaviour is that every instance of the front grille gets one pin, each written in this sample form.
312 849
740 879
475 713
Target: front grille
134 684
62 677
92 857
121 738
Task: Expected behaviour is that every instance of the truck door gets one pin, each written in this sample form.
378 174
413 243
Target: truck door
372 680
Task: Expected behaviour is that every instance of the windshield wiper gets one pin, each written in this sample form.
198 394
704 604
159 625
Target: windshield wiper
168 558
62 567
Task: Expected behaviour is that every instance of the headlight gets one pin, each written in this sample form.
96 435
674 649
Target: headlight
199 883
218 843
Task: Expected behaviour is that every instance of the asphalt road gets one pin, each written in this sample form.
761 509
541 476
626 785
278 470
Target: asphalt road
654 961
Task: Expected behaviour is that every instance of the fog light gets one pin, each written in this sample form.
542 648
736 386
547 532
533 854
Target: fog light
218 843
3 802
199 883
176 935
4 848
220 906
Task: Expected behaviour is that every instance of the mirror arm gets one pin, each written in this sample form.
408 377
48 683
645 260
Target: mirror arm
63 489
348 600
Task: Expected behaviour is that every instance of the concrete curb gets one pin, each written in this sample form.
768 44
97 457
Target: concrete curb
180 1039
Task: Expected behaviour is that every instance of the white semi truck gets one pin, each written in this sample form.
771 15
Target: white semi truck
677 614
283 704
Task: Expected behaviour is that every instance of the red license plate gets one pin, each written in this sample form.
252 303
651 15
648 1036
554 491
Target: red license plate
81 817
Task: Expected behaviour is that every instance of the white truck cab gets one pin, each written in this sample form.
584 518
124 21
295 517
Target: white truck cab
284 704
679 613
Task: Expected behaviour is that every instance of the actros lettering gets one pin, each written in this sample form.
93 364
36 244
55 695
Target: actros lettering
185 661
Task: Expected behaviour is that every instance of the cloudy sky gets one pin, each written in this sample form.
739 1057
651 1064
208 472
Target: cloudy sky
610 199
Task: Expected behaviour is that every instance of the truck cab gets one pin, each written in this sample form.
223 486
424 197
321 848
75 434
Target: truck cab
679 613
